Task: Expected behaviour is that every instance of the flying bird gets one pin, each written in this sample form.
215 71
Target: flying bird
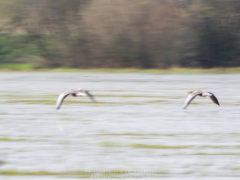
74 92
195 93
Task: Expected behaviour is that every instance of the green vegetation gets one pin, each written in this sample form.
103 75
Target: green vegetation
18 66
176 70
87 174
83 174
159 146
135 134
162 146
10 139
145 146
120 36
17 46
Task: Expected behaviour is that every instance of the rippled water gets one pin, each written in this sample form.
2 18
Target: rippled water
137 129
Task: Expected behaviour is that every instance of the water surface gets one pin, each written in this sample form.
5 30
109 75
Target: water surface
137 129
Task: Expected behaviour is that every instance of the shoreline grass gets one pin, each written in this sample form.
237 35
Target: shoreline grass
80 173
33 67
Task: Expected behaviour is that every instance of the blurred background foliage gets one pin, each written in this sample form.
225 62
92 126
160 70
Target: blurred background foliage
120 33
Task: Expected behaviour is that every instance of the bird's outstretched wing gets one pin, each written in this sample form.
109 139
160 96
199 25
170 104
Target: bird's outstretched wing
213 98
190 98
90 95
61 98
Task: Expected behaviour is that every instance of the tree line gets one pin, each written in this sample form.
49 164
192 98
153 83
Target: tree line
121 33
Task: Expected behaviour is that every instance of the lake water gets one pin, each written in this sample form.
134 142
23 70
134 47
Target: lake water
136 129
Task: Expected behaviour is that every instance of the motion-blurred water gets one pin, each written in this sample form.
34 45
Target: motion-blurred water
137 129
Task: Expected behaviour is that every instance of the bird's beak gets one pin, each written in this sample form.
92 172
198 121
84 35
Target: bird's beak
189 92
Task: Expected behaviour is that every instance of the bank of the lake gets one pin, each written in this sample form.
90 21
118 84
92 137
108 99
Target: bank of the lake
36 67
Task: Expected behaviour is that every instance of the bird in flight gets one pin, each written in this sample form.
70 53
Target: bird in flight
195 93
74 92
